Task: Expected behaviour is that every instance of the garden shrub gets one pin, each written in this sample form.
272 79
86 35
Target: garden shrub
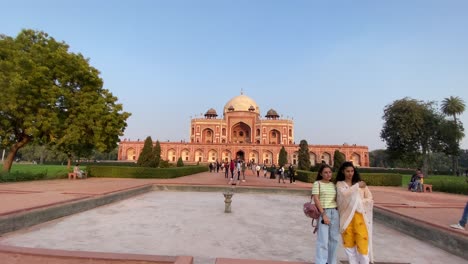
372 179
143 172
21 176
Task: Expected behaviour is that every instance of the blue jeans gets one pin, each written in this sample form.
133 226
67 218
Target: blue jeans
462 221
327 238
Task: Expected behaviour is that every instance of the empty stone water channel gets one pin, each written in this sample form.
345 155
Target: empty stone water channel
263 226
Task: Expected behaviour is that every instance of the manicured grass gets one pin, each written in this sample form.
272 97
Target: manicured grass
51 171
442 183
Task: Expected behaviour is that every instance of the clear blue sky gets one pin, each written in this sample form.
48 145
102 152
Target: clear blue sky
331 65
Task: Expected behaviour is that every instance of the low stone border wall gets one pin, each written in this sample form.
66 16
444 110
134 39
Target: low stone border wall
29 218
253 261
233 188
446 240
22 255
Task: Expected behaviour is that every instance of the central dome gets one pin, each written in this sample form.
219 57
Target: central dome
241 103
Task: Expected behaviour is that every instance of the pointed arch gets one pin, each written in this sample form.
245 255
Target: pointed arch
254 156
208 135
185 154
226 155
198 155
275 136
241 133
326 157
171 155
312 158
131 154
212 155
356 159
267 157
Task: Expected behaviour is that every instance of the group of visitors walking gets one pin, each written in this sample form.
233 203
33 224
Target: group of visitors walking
346 211
236 167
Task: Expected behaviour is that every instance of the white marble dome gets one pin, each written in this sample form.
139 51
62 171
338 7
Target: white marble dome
241 103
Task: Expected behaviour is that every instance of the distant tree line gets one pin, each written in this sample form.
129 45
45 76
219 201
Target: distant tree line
416 131
45 154
438 162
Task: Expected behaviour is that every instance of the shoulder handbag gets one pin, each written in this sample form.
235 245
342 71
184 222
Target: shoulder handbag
311 210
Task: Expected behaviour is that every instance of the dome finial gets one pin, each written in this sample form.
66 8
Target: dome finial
242 91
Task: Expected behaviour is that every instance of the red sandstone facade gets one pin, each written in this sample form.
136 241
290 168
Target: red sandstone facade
242 133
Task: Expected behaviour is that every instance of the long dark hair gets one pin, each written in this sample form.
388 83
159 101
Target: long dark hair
341 176
319 173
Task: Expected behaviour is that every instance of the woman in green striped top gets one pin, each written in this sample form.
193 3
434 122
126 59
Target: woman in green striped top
324 195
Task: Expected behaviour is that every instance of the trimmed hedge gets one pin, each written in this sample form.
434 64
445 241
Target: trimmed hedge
92 163
446 183
372 179
143 172
22 176
306 176
381 179
385 170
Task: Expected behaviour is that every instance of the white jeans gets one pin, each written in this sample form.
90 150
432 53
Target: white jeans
327 238
355 258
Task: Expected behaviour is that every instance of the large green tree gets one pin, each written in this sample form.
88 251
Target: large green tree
381 158
411 130
146 158
53 97
283 157
303 156
453 106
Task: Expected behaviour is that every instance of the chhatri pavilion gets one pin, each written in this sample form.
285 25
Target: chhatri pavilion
242 133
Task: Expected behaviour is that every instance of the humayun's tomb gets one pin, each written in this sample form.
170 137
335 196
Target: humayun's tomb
242 133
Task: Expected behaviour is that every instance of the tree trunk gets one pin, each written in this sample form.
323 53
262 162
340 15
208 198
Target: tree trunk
12 153
454 161
425 166
41 158
69 161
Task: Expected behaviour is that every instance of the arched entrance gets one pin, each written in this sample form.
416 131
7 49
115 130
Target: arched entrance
226 155
356 159
275 136
131 154
240 155
254 157
207 136
241 133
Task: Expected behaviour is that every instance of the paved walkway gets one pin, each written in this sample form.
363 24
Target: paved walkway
436 209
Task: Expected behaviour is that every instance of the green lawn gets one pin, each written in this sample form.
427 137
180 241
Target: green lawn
443 183
51 171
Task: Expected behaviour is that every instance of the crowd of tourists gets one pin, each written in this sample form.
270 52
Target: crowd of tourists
234 171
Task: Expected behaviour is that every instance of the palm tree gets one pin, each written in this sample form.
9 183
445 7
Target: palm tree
453 106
